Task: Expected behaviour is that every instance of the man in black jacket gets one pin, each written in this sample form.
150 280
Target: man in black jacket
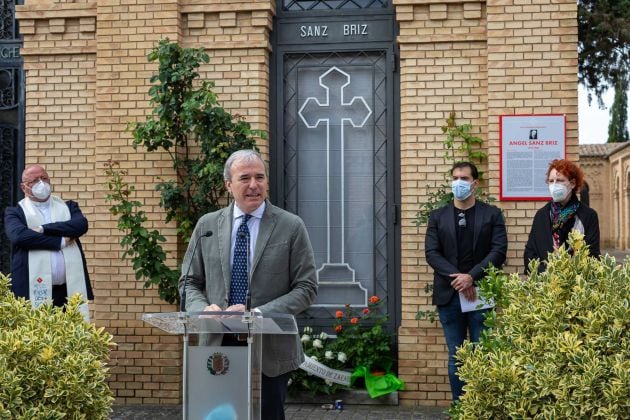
462 240
47 262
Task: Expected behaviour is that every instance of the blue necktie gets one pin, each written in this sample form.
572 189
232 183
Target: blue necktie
238 286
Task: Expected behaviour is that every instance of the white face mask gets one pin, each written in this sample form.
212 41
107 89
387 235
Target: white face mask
559 192
41 190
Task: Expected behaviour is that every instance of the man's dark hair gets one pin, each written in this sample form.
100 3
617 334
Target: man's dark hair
461 165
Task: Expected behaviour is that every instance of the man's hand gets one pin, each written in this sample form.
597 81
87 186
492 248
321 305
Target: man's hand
461 281
236 308
212 308
470 294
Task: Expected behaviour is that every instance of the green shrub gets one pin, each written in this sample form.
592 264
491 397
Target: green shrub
52 363
558 348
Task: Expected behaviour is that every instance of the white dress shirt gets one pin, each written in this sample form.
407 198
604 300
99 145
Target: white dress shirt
253 224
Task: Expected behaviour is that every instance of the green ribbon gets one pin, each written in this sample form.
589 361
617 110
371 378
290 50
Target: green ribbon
377 385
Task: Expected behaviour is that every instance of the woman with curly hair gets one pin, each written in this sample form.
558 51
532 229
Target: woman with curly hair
552 223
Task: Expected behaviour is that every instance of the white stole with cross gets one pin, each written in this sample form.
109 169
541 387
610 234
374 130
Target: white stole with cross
39 261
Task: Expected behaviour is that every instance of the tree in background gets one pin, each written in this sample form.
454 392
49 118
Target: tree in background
604 53
618 127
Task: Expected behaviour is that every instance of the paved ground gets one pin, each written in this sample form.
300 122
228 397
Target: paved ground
297 412
617 253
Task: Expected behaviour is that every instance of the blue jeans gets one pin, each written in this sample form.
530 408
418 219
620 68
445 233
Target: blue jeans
456 326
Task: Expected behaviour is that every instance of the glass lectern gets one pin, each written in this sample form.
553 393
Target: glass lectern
222 381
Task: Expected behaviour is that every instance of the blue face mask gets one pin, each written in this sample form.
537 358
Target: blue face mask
461 189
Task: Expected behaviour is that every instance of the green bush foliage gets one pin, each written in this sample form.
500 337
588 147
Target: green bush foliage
52 363
558 348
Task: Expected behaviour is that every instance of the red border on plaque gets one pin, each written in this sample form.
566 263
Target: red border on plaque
502 197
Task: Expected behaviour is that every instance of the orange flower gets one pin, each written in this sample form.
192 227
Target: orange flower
339 314
366 311
338 329
374 299
354 320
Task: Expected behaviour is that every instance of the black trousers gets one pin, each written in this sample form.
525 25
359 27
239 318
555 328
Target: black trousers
274 394
274 389
59 295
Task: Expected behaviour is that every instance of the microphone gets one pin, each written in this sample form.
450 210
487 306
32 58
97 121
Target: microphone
182 303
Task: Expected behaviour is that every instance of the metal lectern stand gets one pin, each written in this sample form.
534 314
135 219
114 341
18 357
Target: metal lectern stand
222 381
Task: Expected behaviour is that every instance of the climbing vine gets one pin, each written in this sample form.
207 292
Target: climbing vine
459 145
188 125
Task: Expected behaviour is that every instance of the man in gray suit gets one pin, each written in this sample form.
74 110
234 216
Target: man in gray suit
281 263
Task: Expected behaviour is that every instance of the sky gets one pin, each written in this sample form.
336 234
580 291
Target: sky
592 121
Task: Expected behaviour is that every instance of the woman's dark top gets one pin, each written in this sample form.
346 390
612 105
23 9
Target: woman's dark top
540 241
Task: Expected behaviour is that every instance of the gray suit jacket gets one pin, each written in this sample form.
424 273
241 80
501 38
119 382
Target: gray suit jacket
283 278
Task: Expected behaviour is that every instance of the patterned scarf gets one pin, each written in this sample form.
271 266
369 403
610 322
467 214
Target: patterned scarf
560 216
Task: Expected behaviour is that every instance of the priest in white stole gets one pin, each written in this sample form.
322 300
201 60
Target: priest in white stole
47 261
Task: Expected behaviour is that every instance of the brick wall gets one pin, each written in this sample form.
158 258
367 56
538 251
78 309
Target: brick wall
238 33
88 77
480 60
620 196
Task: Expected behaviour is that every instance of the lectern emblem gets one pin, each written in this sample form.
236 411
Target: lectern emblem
218 364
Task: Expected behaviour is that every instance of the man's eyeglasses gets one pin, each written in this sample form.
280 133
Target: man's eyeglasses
462 219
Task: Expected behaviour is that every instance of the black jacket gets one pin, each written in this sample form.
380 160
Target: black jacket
440 247
540 241
24 239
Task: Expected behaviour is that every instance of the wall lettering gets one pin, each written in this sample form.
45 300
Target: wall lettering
355 29
309 31
9 52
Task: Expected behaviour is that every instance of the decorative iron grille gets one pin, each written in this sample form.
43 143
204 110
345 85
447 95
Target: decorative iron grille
8 155
11 118
306 5
7 20
8 88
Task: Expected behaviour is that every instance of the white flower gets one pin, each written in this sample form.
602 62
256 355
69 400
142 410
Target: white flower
305 338
342 357
290 381
314 358
323 336
329 355
328 382
308 330
317 343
